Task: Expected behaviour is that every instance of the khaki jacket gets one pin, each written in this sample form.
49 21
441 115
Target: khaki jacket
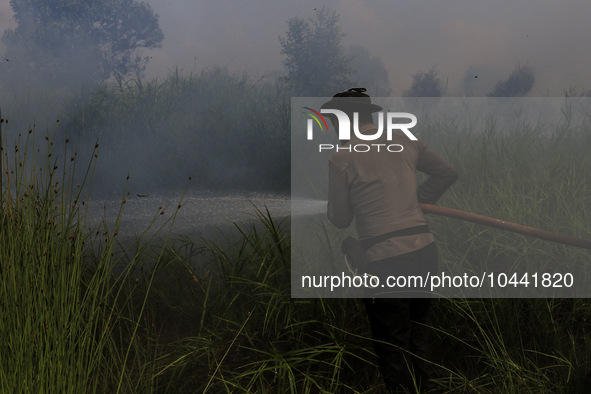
379 189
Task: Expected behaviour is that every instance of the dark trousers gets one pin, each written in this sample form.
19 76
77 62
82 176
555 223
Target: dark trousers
398 324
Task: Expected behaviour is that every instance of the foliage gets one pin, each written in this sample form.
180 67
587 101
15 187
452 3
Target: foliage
315 59
425 84
224 129
56 319
518 83
64 327
64 42
216 316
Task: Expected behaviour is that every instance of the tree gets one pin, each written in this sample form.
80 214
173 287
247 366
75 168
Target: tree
518 84
63 41
315 60
370 71
425 84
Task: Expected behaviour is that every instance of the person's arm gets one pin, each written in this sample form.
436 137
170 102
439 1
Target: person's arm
441 176
340 212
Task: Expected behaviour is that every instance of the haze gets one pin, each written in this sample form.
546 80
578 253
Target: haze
486 39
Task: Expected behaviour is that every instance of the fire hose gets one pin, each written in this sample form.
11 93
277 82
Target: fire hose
504 225
353 248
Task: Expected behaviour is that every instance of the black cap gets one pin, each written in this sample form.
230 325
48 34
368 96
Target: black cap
353 100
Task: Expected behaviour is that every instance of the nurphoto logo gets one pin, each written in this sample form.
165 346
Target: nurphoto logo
344 129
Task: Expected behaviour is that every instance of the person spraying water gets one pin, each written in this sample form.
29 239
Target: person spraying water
379 190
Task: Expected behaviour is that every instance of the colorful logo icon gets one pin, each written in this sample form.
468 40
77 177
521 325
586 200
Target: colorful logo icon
317 117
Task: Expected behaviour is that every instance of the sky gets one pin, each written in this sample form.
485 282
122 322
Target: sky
474 38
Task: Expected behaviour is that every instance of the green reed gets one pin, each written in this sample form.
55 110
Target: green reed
53 328
61 302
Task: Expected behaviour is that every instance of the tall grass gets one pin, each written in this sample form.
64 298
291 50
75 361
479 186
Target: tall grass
81 312
541 180
226 129
524 175
233 326
55 325
61 327
529 174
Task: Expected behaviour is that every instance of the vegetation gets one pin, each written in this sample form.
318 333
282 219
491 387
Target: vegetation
518 83
316 62
425 84
82 311
62 42
88 314
198 124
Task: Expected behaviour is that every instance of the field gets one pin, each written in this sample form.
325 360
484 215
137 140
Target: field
83 313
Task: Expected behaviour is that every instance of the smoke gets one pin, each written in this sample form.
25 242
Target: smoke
370 71
407 37
474 44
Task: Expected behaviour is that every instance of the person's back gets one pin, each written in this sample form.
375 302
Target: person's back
378 188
